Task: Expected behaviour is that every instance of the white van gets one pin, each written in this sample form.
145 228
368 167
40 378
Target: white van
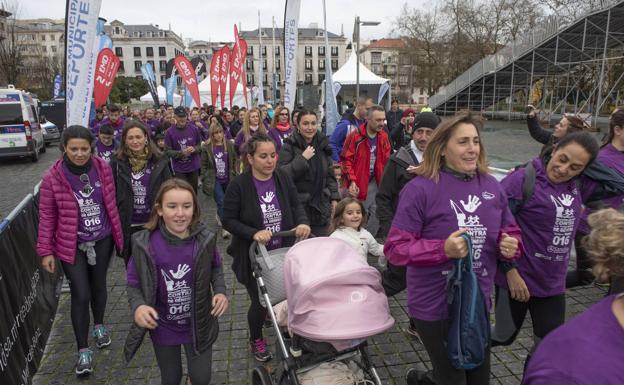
20 132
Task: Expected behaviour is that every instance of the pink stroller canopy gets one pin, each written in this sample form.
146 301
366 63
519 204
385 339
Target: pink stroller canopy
333 294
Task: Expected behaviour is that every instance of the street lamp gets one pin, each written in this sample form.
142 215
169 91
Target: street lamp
356 32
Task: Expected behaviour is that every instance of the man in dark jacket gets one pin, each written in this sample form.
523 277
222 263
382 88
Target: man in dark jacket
236 125
399 171
348 124
393 116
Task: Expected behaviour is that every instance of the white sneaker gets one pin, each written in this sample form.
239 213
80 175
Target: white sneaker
225 234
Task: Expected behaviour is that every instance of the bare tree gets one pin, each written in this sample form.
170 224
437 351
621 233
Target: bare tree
12 45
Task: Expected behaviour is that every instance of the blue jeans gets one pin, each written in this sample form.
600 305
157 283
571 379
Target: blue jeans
219 194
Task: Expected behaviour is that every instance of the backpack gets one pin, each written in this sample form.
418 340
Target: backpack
469 329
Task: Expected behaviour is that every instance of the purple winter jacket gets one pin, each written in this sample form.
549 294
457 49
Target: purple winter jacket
58 212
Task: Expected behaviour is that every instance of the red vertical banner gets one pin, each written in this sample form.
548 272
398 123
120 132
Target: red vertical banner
236 65
106 68
223 73
243 75
189 78
215 68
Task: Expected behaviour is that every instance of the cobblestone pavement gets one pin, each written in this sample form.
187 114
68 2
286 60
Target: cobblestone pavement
392 352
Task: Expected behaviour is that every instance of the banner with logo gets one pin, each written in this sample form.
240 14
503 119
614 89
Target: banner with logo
382 91
80 56
225 67
171 80
260 65
236 65
215 68
58 83
291 37
106 68
189 78
243 44
331 108
150 77
28 297
200 67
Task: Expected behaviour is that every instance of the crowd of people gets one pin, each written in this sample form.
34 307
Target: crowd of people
403 186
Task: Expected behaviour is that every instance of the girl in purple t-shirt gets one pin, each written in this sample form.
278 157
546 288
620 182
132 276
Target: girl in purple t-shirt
548 219
175 286
451 194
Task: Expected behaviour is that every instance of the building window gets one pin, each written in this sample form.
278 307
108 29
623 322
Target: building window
264 64
137 34
149 51
308 79
162 79
422 92
334 51
117 31
42 37
308 64
119 51
137 51
162 65
44 48
277 64
250 50
279 77
121 65
334 64
308 50
321 78
321 64
152 63
250 64
162 51
264 50
277 50
375 57
250 79
321 50
266 81
53 48
403 80
137 65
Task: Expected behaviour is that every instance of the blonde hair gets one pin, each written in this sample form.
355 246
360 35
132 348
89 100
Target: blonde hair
246 124
214 128
605 243
433 160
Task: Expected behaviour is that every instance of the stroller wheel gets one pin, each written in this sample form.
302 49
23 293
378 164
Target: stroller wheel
261 376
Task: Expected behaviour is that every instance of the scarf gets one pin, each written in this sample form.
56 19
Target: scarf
318 174
75 169
138 160
282 127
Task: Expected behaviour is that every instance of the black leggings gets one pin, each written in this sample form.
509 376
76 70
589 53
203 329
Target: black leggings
434 335
88 285
547 313
256 313
170 364
191 177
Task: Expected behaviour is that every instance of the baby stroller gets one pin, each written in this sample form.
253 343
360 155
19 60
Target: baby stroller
335 302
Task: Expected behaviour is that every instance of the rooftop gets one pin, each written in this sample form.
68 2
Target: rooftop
305 33
388 43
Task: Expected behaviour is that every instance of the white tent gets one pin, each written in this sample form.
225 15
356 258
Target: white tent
162 97
374 86
205 95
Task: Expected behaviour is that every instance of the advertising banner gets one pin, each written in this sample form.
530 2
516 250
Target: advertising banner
189 78
58 83
148 75
171 80
291 37
225 68
215 68
106 68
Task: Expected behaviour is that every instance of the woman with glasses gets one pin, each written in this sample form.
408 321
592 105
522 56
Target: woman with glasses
139 169
79 225
280 127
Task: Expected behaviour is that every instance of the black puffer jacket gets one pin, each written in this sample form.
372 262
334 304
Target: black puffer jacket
207 279
300 170
122 174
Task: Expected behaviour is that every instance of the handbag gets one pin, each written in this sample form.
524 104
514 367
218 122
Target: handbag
469 329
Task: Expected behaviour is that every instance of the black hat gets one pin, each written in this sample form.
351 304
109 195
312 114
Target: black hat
180 111
426 119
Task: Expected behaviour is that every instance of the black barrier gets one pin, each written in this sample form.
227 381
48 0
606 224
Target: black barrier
28 297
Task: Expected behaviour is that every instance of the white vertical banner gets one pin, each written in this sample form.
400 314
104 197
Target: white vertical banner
331 109
82 43
260 65
291 27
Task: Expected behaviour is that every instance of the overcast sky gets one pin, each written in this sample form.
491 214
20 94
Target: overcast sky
214 20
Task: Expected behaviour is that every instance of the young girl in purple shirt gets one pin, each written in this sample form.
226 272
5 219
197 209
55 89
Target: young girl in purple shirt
548 219
451 194
175 286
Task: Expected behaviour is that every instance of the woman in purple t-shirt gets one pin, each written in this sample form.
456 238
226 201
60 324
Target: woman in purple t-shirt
259 202
587 350
548 219
175 286
451 194
251 127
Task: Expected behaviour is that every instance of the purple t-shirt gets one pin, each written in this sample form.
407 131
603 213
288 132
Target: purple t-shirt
271 209
93 223
140 183
279 136
612 158
548 221
586 350
103 151
117 126
202 127
372 142
152 126
435 210
178 139
222 167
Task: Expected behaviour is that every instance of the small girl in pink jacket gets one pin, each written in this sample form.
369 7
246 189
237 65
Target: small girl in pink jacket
79 225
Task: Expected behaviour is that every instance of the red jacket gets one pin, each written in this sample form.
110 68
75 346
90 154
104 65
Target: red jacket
58 212
355 159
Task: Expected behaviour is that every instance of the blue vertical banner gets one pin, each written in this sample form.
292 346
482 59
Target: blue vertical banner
80 55
171 80
58 83
148 75
331 109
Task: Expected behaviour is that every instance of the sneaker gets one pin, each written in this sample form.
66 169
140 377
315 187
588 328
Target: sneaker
225 234
102 336
418 377
259 350
411 330
85 362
